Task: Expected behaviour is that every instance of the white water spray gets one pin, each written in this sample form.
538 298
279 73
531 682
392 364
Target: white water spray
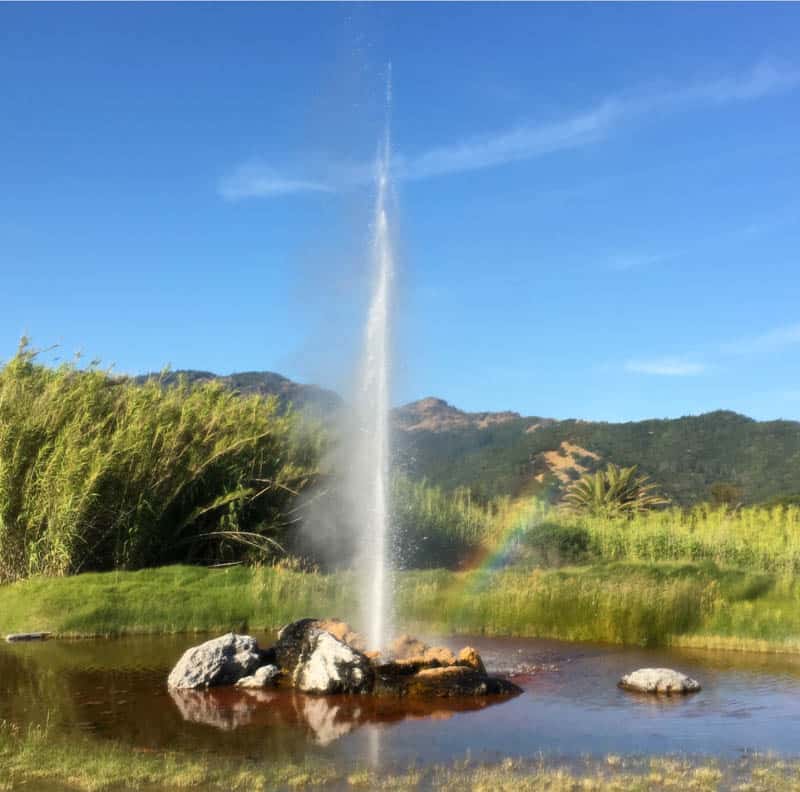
374 408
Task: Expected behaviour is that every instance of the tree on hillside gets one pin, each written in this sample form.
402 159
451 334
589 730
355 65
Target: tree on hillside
612 492
724 493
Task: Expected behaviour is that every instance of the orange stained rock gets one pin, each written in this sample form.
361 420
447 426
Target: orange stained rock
469 657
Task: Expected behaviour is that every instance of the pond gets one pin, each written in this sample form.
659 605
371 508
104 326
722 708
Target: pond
570 706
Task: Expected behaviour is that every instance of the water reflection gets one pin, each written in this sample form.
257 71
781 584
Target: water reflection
323 719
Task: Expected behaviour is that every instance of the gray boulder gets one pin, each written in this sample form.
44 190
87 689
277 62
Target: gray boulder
261 678
220 661
659 680
316 661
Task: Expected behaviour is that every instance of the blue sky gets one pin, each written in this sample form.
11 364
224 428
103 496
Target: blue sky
597 205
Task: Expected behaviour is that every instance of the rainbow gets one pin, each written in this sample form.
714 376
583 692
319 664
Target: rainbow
496 553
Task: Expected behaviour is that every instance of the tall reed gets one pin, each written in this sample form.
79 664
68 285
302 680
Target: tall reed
98 472
754 537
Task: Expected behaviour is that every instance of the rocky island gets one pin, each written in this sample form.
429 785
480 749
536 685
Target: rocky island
328 657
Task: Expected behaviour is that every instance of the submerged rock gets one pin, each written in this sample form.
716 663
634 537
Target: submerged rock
220 661
659 680
261 678
443 681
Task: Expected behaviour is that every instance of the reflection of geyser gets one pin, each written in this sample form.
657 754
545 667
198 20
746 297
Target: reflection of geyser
374 746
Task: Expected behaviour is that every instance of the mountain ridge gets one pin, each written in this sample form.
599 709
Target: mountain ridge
506 453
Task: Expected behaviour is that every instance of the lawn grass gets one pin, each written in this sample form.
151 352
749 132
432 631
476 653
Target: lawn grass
648 604
39 760
174 599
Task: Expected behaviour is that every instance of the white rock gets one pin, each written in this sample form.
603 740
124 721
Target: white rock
659 680
220 661
327 665
261 678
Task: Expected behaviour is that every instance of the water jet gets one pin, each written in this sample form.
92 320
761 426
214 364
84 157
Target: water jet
373 406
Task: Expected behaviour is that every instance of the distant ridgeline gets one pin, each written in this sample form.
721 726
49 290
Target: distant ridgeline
716 456
263 383
719 455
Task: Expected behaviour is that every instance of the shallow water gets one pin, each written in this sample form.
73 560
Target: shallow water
570 707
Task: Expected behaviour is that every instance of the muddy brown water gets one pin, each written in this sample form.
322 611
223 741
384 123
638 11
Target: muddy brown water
570 706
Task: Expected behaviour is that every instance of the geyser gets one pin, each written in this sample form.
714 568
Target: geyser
373 410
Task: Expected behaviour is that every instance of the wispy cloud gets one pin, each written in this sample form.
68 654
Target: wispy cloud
769 341
666 367
524 141
753 347
256 180
764 79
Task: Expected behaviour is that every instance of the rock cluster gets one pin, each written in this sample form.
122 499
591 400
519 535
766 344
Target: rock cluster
326 656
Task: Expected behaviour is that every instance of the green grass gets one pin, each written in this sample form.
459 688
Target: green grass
37 759
170 600
756 538
625 603
445 528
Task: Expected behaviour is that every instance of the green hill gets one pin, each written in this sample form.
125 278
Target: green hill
505 453
263 383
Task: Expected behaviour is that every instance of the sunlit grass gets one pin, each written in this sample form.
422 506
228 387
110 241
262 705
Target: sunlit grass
626 603
37 759
171 600
757 538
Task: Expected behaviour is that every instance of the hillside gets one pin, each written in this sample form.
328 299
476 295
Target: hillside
507 453
686 456
263 383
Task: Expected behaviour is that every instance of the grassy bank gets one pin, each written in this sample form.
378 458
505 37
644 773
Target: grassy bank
41 761
626 603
